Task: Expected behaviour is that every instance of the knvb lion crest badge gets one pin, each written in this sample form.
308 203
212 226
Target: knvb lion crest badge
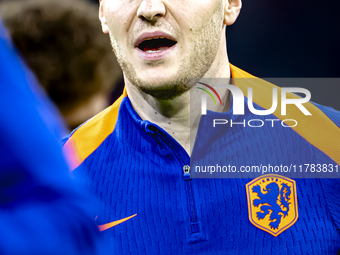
272 203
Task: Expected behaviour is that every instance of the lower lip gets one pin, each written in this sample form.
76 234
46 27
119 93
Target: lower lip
154 55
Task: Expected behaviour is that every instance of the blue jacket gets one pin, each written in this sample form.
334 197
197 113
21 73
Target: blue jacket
151 204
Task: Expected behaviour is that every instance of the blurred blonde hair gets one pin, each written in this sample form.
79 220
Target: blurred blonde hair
63 44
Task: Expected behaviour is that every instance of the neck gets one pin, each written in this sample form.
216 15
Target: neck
174 116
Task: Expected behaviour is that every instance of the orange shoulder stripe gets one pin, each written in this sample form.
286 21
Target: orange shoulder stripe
317 129
114 223
87 138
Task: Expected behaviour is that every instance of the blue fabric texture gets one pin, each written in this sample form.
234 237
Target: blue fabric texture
138 169
41 210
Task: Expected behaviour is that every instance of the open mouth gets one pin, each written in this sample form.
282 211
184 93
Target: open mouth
153 45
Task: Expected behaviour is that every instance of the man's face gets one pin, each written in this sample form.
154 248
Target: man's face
161 44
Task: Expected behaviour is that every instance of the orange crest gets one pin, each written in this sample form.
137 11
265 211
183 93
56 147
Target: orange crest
272 203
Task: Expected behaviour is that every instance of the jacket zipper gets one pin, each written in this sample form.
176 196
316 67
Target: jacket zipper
194 224
194 227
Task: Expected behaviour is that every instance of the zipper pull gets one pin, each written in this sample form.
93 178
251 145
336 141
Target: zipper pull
186 171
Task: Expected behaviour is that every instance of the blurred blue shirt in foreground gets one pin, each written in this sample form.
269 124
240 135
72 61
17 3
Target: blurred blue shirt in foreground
41 211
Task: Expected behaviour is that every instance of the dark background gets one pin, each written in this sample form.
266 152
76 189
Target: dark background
287 38
290 39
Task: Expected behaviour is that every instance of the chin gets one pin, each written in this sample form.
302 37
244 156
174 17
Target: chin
163 89
156 81
160 82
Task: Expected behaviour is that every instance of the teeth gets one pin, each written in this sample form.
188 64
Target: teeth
148 39
152 51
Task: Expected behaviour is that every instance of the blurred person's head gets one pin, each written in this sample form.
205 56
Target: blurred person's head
62 43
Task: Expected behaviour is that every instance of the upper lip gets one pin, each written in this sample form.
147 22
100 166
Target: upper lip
153 35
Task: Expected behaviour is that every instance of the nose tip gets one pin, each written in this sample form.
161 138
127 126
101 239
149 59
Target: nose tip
151 10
